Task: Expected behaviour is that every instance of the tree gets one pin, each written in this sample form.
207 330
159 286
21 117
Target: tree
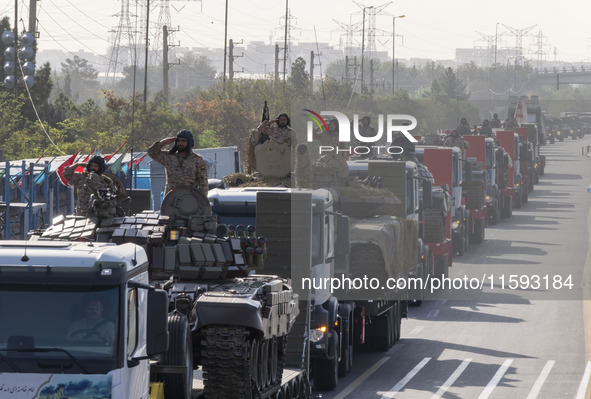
299 78
449 87
80 78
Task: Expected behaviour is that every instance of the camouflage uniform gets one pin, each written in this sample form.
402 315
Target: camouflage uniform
463 128
457 141
180 172
278 134
77 180
495 122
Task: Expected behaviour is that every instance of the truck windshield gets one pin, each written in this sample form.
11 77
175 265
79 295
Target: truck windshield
80 329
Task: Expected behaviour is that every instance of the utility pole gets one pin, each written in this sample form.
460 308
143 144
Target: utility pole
311 72
231 58
33 18
165 61
147 48
225 44
394 63
276 63
362 47
165 64
285 41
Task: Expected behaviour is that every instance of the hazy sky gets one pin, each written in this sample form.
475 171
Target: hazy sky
431 29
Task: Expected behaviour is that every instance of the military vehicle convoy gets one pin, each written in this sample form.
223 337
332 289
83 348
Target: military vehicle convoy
179 292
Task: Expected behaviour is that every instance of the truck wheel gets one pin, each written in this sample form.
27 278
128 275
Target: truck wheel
345 354
495 215
398 322
326 372
346 362
561 139
179 353
508 208
536 178
478 236
525 196
518 198
441 268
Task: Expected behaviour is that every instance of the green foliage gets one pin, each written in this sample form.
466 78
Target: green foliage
80 78
299 78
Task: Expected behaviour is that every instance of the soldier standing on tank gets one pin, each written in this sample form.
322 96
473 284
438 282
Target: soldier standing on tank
456 140
495 122
511 122
329 138
183 167
278 130
79 180
463 128
486 130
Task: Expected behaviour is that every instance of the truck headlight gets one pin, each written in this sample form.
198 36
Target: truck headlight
318 334
455 225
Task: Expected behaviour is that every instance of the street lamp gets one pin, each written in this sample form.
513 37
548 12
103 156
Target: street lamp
394 49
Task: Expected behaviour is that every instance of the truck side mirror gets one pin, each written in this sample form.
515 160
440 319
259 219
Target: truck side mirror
157 324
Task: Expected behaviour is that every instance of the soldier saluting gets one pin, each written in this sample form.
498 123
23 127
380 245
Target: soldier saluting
183 167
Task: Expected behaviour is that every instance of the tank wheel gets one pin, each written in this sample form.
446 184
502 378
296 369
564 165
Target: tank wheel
264 364
231 353
273 360
326 372
180 353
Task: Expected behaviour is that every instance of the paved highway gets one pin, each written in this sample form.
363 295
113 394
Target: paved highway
495 341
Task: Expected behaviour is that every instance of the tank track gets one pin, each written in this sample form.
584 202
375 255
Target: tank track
232 365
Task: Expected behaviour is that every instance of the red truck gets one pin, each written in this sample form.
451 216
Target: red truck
511 189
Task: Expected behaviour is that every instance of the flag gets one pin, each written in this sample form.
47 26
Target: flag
108 157
116 166
137 161
41 176
80 169
126 167
60 169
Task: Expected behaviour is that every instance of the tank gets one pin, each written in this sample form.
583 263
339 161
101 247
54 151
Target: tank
221 315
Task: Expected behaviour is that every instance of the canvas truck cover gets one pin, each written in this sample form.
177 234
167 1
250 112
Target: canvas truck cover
396 238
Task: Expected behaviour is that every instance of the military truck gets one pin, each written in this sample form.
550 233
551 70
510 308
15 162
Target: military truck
474 187
486 151
180 294
512 187
342 317
446 166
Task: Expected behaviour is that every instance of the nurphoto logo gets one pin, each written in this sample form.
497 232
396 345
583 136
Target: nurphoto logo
347 144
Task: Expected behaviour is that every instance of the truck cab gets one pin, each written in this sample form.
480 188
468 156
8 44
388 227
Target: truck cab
328 332
45 291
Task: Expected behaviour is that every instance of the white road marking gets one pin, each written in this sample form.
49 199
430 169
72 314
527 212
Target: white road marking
355 384
447 384
416 330
394 390
584 382
495 380
535 390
